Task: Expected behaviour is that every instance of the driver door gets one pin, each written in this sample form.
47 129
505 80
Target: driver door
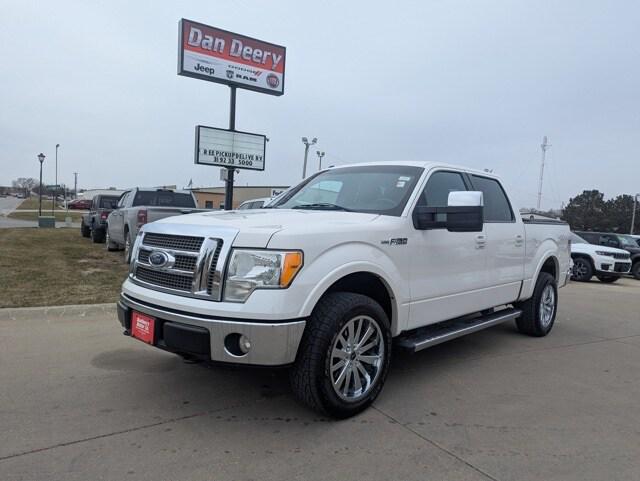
447 272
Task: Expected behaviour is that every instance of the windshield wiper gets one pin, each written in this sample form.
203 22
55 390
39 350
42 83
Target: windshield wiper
322 206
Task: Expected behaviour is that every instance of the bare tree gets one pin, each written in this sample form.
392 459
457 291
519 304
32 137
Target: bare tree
27 184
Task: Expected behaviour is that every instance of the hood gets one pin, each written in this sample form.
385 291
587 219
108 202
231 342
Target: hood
257 226
596 247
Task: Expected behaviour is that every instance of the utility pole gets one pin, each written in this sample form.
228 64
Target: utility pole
55 188
307 144
545 145
320 155
75 185
633 216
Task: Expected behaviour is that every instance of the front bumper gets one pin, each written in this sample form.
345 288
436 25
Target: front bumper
202 337
610 266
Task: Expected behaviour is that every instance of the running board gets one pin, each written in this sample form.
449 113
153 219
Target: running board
447 330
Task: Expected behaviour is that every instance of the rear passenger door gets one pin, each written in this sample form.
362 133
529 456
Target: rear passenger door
116 220
505 247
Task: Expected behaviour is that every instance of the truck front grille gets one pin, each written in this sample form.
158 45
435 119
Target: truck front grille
164 279
621 256
169 241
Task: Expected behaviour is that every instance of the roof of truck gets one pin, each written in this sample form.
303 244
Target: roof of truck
427 165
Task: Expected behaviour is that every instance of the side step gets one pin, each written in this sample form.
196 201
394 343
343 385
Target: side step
447 330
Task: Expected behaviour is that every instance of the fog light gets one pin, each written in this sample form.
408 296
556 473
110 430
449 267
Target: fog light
244 344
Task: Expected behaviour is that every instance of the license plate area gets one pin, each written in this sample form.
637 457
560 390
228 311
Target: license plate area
143 327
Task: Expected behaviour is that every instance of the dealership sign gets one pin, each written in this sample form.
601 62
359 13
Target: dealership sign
228 148
212 54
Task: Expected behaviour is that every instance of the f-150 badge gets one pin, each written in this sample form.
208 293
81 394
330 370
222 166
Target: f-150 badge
398 241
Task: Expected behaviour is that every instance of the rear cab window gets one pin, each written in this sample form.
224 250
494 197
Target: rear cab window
163 199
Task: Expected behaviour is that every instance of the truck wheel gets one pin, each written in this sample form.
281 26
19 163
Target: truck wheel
111 246
127 247
97 235
344 355
539 312
582 270
84 230
607 279
635 270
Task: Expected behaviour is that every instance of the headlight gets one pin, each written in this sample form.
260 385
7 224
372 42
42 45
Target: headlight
259 269
603 253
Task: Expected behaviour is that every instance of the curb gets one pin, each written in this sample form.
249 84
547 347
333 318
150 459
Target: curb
54 312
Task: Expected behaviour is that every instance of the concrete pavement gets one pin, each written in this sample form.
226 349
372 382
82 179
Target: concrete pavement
80 401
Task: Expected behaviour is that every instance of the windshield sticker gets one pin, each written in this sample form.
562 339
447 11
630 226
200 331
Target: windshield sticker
400 183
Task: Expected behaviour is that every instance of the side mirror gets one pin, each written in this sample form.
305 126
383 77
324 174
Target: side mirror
464 213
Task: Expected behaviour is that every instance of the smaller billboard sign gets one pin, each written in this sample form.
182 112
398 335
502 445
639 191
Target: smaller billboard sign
229 148
216 55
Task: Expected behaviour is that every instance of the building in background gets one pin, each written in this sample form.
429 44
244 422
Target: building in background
213 197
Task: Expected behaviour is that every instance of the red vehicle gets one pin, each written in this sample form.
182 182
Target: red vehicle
80 204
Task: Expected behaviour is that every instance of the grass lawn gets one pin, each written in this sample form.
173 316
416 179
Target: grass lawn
60 215
32 203
52 267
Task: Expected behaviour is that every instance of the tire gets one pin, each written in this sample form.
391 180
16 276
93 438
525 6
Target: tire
111 246
97 235
608 279
635 270
582 269
531 322
127 247
84 230
312 379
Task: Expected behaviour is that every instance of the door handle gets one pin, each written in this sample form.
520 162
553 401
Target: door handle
481 241
519 240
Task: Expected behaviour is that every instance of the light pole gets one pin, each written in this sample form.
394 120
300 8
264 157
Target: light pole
75 185
307 144
55 187
41 159
633 216
320 155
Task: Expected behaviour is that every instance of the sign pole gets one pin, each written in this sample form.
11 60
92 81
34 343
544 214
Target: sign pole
228 191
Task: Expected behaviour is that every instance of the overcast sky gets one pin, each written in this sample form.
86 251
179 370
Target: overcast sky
473 83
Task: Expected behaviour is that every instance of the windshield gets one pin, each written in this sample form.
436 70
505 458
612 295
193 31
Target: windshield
576 239
379 189
163 198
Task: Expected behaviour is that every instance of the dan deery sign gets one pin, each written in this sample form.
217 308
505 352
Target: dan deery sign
212 54
228 148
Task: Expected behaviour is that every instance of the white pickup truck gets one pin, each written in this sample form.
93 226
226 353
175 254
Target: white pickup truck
349 261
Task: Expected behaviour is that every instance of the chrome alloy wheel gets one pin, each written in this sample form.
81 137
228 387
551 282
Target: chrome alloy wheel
547 305
357 357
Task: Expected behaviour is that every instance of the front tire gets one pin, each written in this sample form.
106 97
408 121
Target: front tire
608 279
635 270
111 246
539 312
344 355
582 270
97 235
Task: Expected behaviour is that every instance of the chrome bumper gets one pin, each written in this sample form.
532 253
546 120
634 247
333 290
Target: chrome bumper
272 344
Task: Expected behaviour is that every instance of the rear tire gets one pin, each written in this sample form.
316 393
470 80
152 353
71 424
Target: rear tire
84 230
356 365
635 270
582 270
539 312
608 279
97 235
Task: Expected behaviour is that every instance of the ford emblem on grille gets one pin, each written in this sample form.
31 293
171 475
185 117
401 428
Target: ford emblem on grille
158 259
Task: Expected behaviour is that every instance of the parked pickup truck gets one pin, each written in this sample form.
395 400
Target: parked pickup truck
94 222
351 259
136 207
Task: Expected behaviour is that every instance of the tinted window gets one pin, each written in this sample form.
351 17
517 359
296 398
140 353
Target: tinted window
439 185
123 199
108 202
162 198
496 205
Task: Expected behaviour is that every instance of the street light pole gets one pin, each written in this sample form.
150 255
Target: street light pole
320 155
41 157
55 187
307 144
75 185
633 216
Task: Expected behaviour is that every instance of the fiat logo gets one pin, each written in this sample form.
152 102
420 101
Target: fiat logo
158 259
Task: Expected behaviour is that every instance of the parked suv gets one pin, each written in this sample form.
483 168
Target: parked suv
606 263
94 223
137 207
619 241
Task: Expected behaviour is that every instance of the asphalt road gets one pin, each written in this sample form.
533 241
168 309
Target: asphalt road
80 401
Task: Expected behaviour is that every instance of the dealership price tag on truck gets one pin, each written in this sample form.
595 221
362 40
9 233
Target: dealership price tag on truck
216 55
229 148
